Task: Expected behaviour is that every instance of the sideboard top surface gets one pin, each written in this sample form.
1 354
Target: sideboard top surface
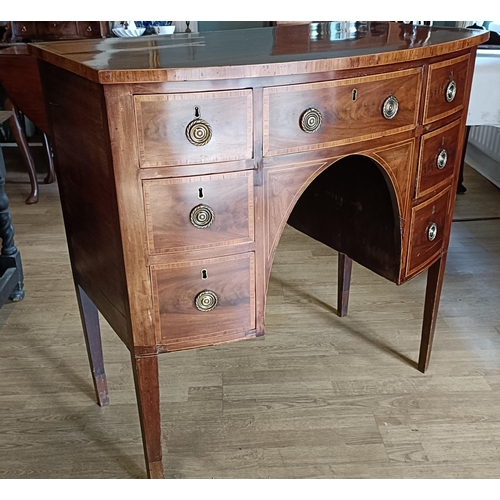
261 52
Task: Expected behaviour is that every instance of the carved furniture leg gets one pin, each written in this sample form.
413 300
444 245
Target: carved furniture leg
435 276
147 388
92 333
344 284
11 270
51 174
22 143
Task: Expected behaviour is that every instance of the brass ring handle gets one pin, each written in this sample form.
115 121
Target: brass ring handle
432 232
390 107
202 216
23 29
451 91
89 28
206 301
442 158
198 132
310 120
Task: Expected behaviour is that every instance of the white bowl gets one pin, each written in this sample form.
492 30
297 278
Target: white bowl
123 33
164 30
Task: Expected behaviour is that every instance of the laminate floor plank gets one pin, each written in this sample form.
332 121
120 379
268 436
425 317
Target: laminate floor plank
318 397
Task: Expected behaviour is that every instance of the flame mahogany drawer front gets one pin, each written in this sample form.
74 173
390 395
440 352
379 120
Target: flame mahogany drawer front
445 88
319 115
200 127
198 212
438 157
429 223
223 288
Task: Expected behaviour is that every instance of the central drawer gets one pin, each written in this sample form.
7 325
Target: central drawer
319 115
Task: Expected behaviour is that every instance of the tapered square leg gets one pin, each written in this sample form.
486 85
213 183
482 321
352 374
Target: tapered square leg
147 388
435 276
344 284
92 333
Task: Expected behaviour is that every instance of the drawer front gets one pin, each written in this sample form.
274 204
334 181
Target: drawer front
227 284
427 229
438 157
89 29
445 88
57 28
199 212
345 110
24 29
207 127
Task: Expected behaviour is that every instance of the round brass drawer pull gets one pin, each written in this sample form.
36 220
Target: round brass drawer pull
310 120
198 132
390 107
202 216
442 158
206 301
451 91
432 232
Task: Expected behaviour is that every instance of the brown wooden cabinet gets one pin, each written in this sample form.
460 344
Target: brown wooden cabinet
27 31
180 160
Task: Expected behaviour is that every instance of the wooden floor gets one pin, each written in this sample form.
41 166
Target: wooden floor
317 397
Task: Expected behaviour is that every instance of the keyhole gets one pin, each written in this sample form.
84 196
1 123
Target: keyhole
197 112
200 193
442 142
354 94
204 274
451 75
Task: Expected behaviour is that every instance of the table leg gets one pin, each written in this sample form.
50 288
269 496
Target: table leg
92 333
22 143
461 189
344 284
147 388
435 276
51 174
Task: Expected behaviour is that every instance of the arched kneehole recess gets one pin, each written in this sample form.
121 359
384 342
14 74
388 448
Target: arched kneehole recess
352 207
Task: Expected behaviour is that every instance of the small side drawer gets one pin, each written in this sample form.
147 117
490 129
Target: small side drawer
326 114
428 226
445 88
200 127
205 301
191 213
438 158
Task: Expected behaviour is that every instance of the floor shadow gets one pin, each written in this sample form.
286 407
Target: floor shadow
383 346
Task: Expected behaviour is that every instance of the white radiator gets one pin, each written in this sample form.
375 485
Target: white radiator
484 155
487 140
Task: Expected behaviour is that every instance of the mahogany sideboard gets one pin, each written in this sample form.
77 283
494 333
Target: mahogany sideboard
180 159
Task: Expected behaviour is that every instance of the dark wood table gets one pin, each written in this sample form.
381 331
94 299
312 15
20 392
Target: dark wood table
20 77
180 159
